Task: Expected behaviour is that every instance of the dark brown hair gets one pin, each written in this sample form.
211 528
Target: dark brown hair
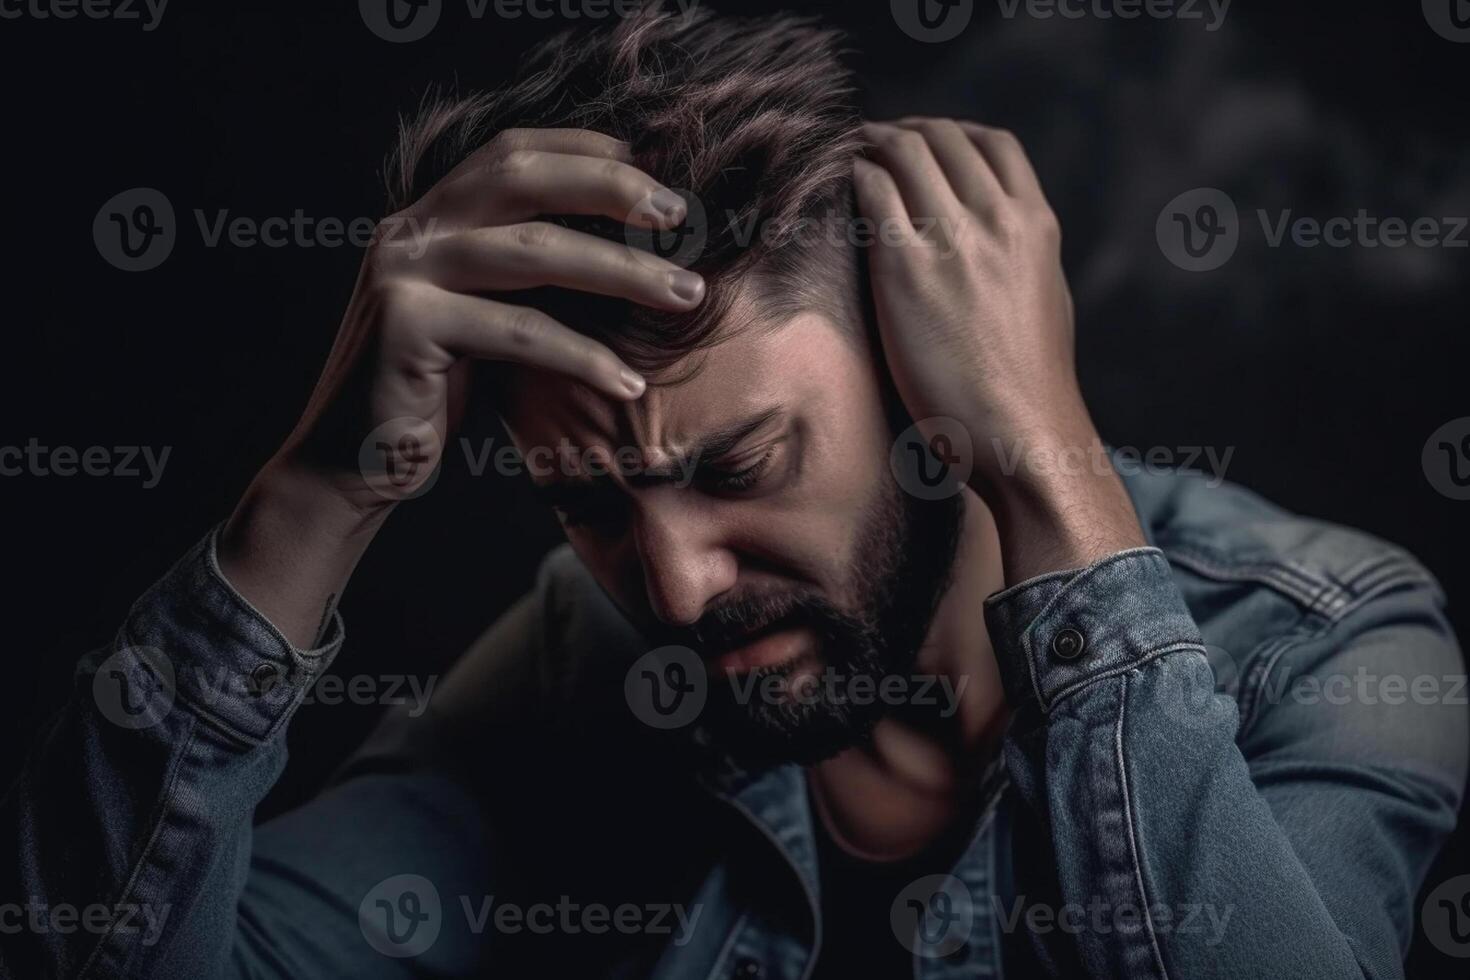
756 117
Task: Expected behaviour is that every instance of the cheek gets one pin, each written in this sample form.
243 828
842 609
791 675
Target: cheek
810 531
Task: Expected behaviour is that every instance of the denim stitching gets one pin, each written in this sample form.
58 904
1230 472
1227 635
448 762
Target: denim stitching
1132 834
143 856
724 954
1274 576
1141 660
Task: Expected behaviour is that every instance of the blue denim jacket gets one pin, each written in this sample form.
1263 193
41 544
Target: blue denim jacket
1233 753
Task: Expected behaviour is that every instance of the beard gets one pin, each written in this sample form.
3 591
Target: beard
903 562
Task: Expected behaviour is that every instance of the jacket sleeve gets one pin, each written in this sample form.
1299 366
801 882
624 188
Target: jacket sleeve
1182 850
130 824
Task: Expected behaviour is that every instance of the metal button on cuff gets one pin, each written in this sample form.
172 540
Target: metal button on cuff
263 678
1068 644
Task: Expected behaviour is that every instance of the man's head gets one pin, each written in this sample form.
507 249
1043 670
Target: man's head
762 525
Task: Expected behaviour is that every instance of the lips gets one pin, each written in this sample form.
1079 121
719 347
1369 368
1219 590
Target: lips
766 649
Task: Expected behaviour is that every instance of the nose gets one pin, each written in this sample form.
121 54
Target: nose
685 561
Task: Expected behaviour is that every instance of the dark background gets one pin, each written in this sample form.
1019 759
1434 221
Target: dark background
1325 369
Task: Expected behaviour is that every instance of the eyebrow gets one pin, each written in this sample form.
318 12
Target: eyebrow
571 490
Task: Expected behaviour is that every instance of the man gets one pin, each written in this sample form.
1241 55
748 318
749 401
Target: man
792 702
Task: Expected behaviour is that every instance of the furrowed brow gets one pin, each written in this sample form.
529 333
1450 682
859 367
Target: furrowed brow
724 439
580 490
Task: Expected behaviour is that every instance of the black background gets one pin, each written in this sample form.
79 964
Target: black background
1325 369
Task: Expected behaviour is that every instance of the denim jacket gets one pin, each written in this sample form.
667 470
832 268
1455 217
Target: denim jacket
1232 753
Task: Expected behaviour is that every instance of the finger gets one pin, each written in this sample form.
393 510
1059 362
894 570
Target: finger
878 198
906 156
580 142
894 238
537 253
523 183
963 164
1006 157
470 326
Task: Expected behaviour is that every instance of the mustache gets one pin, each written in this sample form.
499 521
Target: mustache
740 621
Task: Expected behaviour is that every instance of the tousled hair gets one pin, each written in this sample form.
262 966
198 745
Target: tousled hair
755 117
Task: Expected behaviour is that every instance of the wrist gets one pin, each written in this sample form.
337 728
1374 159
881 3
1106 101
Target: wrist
292 543
289 494
1057 500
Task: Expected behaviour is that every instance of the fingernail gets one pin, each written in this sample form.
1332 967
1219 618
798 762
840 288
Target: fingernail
669 204
686 285
632 381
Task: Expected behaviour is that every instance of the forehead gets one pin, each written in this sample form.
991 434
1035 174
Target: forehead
791 367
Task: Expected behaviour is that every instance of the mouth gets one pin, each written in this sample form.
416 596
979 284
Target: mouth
767 648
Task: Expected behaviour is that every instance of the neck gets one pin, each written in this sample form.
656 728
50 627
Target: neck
921 771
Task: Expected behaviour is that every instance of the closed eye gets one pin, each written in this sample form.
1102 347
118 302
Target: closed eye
743 478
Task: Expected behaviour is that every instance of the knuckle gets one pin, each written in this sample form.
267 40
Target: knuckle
1048 223
908 141
534 234
381 252
509 139
613 171
514 162
396 302
524 327
594 358
641 268
1007 223
626 183
934 128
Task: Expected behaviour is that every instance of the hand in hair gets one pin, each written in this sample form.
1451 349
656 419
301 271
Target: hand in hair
425 308
977 325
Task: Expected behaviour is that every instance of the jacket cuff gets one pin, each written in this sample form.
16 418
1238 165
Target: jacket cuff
195 641
1057 633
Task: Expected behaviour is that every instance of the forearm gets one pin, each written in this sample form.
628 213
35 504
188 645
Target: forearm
1058 504
292 544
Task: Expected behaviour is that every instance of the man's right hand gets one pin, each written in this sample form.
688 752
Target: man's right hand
423 310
